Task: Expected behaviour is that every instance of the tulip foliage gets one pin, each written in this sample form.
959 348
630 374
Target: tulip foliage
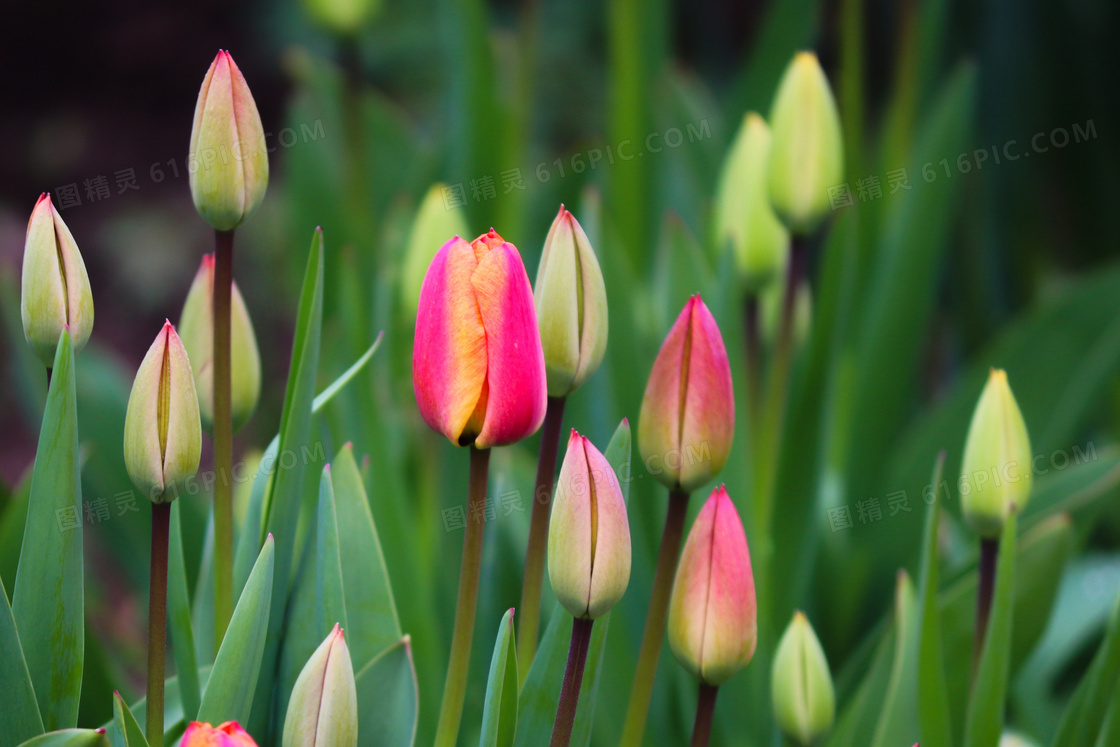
768 531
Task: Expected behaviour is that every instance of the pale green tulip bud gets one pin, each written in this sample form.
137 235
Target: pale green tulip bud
228 158
744 216
342 17
431 227
55 291
196 327
571 306
996 468
162 433
801 686
323 709
807 149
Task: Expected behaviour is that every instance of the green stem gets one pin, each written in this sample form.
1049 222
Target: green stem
573 679
223 437
646 670
989 555
753 349
157 623
538 538
455 687
705 707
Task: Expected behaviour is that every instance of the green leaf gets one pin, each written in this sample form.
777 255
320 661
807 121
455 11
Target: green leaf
69 738
19 717
229 693
540 694
49 597
388 698
499 712
179 619
859 717
933 701
989 690
369 593
1088 705
281 506
318 600
898 721
127 732
1110 731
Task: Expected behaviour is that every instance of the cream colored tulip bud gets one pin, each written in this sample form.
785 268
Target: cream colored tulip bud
431 227
588 534
55 288
323 709
342 17
162 433
996 468
807 148
228 157
744 216
571 306
801 685
196 327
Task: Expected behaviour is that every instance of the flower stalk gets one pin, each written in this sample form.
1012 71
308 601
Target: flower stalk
157 623
989 557
455 686
573 679
223 436
538 537
705 708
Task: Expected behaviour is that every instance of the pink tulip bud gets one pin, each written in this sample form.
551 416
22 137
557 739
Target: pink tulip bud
687 419
713 618
477 363
229 734
589 534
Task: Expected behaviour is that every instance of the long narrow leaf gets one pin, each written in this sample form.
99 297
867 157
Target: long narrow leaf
126 732
19 716
499 711
179 619
49 597
933 702
69 738
388 699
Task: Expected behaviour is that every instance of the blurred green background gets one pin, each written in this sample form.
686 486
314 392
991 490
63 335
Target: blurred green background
519 106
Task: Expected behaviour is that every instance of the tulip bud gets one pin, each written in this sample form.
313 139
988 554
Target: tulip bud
196 328
55 289
807 149
713 616
162 433
227 160
477 364
323 709
589 534
996 468
432 224
744 216
229 734
687 418
342 17
571 306
801 686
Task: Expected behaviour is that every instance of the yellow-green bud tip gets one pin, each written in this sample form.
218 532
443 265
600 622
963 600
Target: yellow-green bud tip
996 467
55 290
801 685
806 149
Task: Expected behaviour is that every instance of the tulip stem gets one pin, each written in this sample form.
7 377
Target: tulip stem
753 352
573 679
989 554
538 538
705 707
455 686
223 437
646 670
157 623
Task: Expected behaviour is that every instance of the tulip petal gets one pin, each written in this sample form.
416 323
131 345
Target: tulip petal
43 303
143 455
248 146
730 623
449 361
708 420
517 395
79 298
569 532
558 307
659 422
610 570
184 436
594 324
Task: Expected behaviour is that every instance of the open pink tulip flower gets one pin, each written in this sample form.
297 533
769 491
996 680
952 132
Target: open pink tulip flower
687 419
477 363
589 535
229 734
713 616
